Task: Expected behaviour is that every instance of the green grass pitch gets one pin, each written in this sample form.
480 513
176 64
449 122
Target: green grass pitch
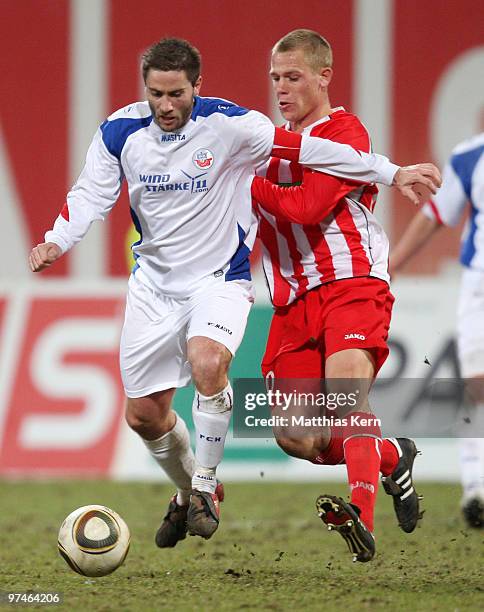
271 552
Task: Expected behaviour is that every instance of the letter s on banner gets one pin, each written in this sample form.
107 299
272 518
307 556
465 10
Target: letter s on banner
66 405
55 378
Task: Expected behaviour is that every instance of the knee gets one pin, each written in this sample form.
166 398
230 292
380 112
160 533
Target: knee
137 419
306 447
350 363
146 420
209 368
291 446
352 366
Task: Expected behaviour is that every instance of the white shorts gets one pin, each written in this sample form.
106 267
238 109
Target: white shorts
470 324
153 351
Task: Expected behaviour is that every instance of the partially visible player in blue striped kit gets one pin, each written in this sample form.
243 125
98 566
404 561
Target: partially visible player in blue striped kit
462 188
189 164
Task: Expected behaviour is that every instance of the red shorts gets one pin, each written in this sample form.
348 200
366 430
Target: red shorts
344 314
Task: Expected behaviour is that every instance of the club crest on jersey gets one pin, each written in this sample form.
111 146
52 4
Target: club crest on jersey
203 158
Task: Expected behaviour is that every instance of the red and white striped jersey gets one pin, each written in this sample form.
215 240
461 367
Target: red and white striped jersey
346 243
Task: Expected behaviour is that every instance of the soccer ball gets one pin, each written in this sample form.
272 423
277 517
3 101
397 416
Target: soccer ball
93 540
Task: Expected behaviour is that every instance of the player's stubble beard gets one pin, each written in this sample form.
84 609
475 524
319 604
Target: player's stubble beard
179 123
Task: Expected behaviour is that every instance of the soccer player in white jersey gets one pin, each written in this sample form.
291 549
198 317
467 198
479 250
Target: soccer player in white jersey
462 189
325 256
188 163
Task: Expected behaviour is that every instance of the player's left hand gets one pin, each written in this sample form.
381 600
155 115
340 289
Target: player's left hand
417 182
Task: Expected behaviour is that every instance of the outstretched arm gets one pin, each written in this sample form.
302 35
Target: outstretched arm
345 162
91 198
319 193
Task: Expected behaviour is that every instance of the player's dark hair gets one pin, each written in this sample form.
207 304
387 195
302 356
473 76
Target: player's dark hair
172 54
316 48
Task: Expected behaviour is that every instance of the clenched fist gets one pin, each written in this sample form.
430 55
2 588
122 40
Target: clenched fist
43 255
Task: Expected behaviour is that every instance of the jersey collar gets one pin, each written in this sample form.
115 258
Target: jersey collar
308 128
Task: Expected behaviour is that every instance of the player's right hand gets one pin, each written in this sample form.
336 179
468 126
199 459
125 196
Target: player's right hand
417 182
44 255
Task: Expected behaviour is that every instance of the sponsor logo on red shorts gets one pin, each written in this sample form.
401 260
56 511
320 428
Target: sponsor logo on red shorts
355 337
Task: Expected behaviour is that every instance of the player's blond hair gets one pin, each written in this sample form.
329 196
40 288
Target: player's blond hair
315 47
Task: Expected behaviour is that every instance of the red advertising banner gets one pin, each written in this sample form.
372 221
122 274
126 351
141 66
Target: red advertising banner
66 401
34 62
428 38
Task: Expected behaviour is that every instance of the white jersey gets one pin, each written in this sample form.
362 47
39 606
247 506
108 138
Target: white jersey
462 183
189 190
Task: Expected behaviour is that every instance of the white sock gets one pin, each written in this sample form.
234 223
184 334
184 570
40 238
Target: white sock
173 453
472 455
204 479
471 470
211 416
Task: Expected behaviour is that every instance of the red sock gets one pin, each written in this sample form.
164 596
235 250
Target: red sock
389 457
362 444
334 452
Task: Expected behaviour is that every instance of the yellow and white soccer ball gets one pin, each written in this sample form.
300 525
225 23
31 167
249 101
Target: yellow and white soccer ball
93 540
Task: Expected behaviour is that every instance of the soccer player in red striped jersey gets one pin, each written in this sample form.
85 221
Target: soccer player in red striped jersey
325 257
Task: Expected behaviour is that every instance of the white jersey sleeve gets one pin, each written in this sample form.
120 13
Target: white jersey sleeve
247 134
257 138
91 198
463 188
260 137
448 204
343 161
